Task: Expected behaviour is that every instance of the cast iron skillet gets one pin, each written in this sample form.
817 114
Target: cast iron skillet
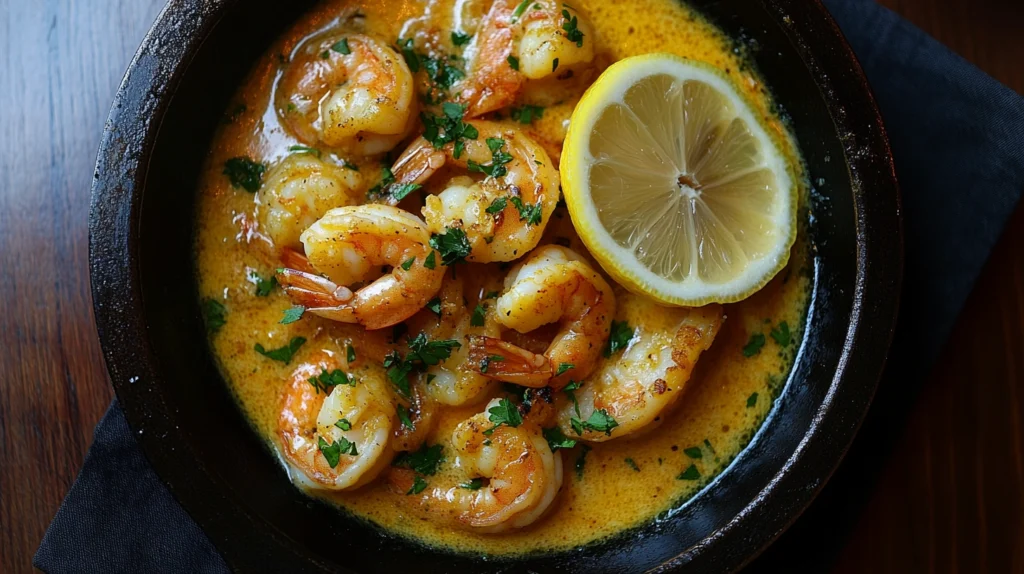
143 201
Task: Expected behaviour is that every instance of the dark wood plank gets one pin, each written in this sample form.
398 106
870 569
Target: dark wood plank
950 500
61 61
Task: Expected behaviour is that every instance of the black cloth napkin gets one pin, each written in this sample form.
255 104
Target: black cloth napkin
958 140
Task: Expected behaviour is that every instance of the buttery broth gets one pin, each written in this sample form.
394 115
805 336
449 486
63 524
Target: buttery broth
607 487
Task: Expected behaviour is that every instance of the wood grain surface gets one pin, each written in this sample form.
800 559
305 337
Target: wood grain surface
950 499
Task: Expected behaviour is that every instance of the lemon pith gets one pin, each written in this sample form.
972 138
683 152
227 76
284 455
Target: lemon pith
675 186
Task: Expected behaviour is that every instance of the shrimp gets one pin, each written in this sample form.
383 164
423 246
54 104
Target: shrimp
520 476
553 285
334 434
350 245
300 190
637 386
450 382
547 39
503 215
420 408
348 91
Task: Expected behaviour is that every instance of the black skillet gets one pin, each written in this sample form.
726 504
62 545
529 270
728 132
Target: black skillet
161 123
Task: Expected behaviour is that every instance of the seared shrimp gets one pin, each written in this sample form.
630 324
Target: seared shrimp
300 190
545 38
347 91
521 194
649 376
350 245
520 476
553 285
450 382
335 434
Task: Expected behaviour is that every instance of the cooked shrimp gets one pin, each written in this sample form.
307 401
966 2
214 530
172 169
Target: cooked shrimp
521 476
300 190
649 376
350 245
348 424
450 382
347 91
553 285
547 38
522 194
410 434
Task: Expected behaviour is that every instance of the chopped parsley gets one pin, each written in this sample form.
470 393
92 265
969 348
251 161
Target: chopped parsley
474 484
486 363
554 65
632 464
341 46
477 319
424 461
422 353
569 391
707 443
292 314
497 206
409 53
430 261
459 39
448 128
441 72
265 286
244 173
505 413
563 367
350 354
752 400
452 244
572 33
399 191
343 424
557 439
304 149
398 372
693 452
781 334
403 415
407 264
326 381
350 165
531 214
691 473
435 306
418 485
283 354
581 461
513 62
599 421
526 114
498 160
491 295
386 179
619 338
333 451
214 313
754 345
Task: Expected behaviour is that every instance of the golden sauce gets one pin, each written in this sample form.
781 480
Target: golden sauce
623 483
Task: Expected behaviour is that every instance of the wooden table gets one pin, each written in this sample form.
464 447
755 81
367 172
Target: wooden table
950 499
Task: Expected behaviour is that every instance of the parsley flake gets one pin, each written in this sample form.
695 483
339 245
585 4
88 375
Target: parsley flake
399 191
557 439
693 452
350 354
563 367
244 173
283 354
435 306
407 264
513 62
411 59
448 128
526 114
752 400
386 179
341 47
292 314
531 214
486 363
214 312
572 33
430 262
477 319
474 484
424 461
497 206
459 39
632 464
520 9
581 461
333 451
304 149
343 424
599 421
781 334
691 473
452 244
265 286
505 413
754 345
619 338
418 485
554 65
328 380
403 415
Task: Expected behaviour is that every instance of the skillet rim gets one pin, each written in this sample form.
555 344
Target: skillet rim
128 140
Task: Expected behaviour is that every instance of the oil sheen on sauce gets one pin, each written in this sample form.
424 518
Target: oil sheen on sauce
621 483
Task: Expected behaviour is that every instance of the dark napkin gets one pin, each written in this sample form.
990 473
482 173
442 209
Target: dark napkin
958 140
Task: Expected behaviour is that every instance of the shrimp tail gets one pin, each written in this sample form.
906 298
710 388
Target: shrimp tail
318 295
418 162
503 361
292 259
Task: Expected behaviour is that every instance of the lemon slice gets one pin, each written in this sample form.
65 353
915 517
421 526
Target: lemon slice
675 186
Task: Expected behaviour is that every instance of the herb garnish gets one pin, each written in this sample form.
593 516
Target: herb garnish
572 33
554 65
327 381
214 313
304 149
477 319
751 400
531 214
526 114
474 484
632 464
283 354
520 9
693 452
569 391
452 244
621 335
505 413
350 354
563 367
513 62
424 461
459 39
341 47
411 59
497 206
333 451
435 305
386 179
429 262
448 128
781 334
403 415
422 353
599 421
265 286
407 264
399 191
343 424
292 314
557 439
418 484
498 160
244 173
581 460
486 363
691 473
754 345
